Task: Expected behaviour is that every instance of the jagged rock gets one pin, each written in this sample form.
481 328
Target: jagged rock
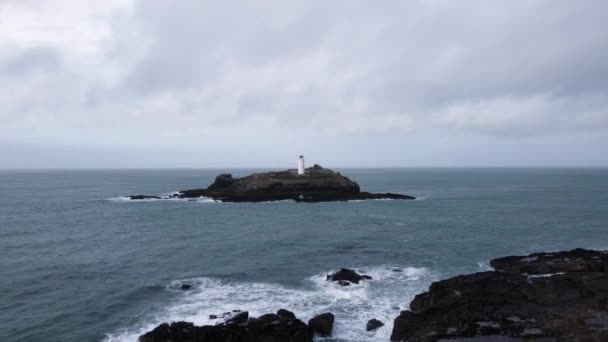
373 324
316 185
346 276
185 286
262 329
212 316
558 306
322 324
286 314
576 260
238 318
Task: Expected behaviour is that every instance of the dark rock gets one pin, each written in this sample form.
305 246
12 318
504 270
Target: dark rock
286 314
576 260
343 282
238 318
270 317
348 275
185 286
373 324
222 182
143 197
508 304
322 324
316 185
253 330
212 316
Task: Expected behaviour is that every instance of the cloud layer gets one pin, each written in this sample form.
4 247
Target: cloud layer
317 77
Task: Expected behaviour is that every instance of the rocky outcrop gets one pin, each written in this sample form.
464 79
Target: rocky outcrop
322 324
544 296
576 260
373 324
238 328
347 276
316 185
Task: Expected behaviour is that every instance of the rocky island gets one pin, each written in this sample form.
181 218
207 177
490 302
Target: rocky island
560 296
316 184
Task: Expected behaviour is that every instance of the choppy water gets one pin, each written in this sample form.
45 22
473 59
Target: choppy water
77 263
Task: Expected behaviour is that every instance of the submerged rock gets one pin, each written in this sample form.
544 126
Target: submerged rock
322 324
518 301
373 324
316 185
346 276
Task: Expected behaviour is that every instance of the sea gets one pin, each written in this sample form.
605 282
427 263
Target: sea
80 262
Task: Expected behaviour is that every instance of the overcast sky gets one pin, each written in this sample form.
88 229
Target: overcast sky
159 83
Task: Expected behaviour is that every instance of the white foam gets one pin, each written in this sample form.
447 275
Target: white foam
390 291
127 199
484 266
544 275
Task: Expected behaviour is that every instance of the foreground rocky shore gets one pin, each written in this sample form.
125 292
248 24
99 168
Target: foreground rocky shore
561 296
318 184
540 297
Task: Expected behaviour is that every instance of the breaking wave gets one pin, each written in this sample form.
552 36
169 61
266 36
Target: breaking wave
126 199
390 291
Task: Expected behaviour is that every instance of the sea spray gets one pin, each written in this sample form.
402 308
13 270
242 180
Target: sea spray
390 291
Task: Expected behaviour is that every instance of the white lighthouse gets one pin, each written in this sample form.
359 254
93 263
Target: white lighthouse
301 165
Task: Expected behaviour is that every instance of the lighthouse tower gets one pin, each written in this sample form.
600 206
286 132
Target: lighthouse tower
301 165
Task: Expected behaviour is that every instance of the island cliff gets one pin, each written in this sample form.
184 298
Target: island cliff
317 184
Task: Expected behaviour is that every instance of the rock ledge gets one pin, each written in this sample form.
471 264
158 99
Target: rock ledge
540 297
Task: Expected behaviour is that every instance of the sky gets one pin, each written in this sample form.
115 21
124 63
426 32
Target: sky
188 83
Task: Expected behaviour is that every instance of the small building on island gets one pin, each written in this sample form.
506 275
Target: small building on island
301 165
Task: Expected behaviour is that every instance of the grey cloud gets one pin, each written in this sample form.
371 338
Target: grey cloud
407 59
21 62
199 72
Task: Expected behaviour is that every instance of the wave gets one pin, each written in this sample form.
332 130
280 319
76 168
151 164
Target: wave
126 199
390 291
484 266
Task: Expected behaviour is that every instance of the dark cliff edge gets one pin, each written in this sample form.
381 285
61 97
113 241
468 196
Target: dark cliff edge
560 296
318 184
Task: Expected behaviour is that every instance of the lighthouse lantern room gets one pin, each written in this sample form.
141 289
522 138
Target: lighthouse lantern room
301 165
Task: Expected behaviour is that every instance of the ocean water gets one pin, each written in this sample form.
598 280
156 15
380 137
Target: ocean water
80 263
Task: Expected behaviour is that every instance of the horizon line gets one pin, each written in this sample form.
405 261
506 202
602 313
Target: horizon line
282 167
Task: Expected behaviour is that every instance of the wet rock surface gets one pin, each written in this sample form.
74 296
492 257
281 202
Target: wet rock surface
346 276
238 327
318 184
540 297
576 260
373 324
322 324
